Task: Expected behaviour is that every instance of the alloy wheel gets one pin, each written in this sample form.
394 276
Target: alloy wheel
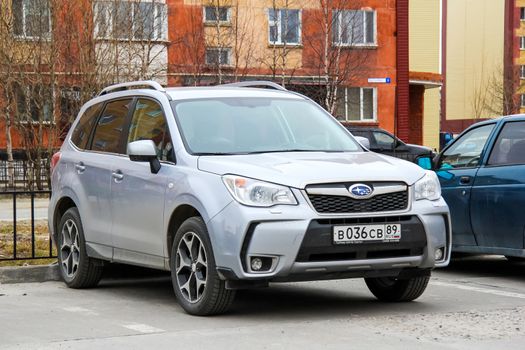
70 250
191 268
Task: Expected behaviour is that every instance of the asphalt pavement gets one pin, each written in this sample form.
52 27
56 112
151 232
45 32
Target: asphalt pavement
23 208
476 303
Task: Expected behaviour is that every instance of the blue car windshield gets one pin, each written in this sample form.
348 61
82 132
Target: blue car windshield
259 125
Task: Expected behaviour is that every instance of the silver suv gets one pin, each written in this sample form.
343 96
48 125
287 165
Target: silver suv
233 187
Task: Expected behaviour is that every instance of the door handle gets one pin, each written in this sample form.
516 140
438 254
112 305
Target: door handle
117 175
464 180
80 167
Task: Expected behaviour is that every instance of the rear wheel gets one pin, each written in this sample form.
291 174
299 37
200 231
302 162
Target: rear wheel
77 269
196 283
396 290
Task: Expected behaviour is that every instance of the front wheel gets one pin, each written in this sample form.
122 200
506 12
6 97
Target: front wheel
396 290
196 283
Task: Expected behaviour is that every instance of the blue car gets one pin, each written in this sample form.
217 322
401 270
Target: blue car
482 175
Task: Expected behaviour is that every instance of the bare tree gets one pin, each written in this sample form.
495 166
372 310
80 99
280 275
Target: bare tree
340 48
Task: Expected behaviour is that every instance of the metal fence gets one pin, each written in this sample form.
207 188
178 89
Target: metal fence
23 226
23 177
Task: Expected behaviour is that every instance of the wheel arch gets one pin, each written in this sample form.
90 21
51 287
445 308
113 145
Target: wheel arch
62 205
178 216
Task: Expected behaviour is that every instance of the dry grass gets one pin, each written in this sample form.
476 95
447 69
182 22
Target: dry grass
23 243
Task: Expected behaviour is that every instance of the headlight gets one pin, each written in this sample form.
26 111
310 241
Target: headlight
428 187
257 193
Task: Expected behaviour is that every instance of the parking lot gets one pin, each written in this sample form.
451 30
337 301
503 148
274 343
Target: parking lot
477 303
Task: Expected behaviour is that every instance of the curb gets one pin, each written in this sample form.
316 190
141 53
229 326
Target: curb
27 274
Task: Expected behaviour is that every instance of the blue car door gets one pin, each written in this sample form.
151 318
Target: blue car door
498 195
457 168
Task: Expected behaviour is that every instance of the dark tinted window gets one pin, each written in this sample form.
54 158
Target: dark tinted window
110 126
80 135
509 148
149 123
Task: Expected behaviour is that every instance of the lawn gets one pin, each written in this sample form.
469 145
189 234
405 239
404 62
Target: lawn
23 243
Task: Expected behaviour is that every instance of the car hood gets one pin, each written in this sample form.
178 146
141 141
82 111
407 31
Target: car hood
298 169
420 149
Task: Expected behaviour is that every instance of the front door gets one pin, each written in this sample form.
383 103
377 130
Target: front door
138 194
498 194
458 166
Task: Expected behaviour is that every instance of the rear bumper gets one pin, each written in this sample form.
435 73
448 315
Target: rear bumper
298 240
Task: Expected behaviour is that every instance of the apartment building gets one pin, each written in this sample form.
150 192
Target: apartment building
352 56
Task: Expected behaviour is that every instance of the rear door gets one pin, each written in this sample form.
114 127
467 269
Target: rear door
137 201
457 168
93 169
498 195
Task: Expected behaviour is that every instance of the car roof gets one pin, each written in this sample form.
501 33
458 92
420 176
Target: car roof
512 117
186 93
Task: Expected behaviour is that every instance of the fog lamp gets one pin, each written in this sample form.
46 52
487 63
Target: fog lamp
256 264
438 254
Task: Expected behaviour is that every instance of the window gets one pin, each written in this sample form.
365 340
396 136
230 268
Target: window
31 18
284 26
354 27
34 103
127 20
383 140
216 13
218 56
241 125
522 42
522 72
522 13
109 128
509 148
466 151
356 104
80 135
522 101
149 123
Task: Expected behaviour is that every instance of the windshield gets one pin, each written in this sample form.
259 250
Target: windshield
259 125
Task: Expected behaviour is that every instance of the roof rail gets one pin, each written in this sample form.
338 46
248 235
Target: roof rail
256 83
150 84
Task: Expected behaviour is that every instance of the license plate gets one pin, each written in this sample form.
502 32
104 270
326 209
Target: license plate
366 233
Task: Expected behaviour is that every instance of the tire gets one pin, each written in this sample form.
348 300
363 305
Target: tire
394 290
77 269
190 270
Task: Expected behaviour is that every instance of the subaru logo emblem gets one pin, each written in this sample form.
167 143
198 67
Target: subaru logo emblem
360 191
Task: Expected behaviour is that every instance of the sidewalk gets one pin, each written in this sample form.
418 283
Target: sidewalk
23 208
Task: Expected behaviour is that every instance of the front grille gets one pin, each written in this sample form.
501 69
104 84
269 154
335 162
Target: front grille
341 204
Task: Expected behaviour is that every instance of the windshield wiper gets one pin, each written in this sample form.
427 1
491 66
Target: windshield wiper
296 150
215 154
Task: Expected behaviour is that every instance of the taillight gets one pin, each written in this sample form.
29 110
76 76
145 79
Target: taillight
54 160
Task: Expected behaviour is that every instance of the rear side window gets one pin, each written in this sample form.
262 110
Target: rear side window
509 148
110 126
80 135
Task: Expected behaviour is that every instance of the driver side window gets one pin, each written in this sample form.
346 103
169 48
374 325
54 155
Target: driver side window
149 123
466 151
383 140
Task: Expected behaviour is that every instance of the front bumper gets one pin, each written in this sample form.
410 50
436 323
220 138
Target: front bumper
298 240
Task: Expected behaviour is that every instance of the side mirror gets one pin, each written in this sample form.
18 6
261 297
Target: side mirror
363 141
425 162
144 151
